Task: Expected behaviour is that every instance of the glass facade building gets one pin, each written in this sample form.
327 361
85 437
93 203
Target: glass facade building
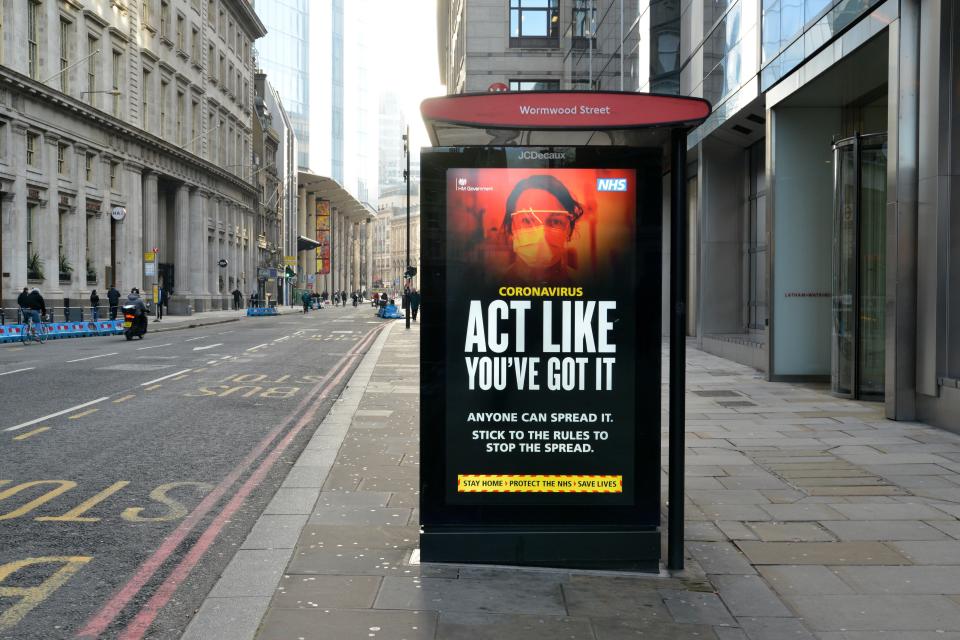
284 55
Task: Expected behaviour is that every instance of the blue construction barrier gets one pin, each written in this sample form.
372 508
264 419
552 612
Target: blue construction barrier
390 312
58 330
261 311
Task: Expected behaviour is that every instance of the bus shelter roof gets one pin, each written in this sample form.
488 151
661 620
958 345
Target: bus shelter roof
559 118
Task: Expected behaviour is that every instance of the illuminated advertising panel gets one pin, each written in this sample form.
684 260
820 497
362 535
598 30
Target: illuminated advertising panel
540 407
323 237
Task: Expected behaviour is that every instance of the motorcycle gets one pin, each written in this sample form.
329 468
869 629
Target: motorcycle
134 322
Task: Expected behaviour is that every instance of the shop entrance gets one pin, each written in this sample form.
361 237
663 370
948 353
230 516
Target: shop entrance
859 266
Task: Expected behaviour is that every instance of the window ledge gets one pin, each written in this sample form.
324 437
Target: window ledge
167 41
183 54
149 27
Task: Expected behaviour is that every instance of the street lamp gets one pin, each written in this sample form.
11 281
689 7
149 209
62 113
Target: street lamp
408 273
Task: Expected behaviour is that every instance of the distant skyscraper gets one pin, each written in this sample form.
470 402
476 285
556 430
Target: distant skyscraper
284 55
392 126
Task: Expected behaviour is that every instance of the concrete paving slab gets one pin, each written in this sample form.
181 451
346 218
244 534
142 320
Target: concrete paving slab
493 626
942 552
353 498
348 624
690 607
921 580
790 532
878 613
801 512
719 557
328 592
227 619
511 595
774 629
804 580
749 596
883 530
251 573
360 516
275 532
631 629
292 500
893 511
825 553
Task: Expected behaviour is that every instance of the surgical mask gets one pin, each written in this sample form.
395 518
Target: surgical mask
539 246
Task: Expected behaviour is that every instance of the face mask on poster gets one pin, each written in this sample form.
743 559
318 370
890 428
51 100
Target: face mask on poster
538 240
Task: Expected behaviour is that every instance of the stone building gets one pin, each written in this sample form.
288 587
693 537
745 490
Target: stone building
275 154
390 237
125 131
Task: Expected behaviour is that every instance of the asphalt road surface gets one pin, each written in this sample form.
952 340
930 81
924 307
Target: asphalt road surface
130 472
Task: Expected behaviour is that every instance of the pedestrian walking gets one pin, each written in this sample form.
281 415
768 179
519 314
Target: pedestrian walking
95 305
414 304
163 299
237 299
113 297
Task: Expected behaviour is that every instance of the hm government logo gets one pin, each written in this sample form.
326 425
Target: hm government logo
611 184
463 186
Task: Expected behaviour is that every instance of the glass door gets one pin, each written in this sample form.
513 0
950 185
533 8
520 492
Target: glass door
859 267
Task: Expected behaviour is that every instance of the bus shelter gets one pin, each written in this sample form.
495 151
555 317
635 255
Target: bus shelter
541 237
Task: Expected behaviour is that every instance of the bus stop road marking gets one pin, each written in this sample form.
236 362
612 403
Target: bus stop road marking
30 423
77 416
24 436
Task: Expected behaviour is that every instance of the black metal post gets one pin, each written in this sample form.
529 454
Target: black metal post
406 175
678 344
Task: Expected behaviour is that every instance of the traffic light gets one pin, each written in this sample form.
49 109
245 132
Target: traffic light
410 272
289 272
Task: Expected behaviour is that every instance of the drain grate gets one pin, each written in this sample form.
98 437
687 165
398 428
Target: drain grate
718 393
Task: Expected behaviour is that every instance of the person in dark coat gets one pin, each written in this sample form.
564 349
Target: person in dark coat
305 298
113 297
95 305
414 304
237 298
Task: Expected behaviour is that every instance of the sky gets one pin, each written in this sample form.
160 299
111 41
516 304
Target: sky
406 52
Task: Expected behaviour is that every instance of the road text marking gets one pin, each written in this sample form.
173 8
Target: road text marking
144 384
58 413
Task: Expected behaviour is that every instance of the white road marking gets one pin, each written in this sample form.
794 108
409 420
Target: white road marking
341 331
209 346
6 373
102 355
265 344
155 346
223 332
165 377
197 338
58 413
226 357
282 339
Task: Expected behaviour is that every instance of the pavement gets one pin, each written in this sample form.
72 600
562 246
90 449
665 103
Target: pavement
807 516
206 318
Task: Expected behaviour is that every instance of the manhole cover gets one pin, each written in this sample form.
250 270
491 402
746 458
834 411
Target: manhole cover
718 393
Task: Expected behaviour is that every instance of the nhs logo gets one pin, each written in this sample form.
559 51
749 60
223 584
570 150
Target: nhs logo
611 184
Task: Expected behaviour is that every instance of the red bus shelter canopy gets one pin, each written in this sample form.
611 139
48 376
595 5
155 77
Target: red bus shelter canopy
568 118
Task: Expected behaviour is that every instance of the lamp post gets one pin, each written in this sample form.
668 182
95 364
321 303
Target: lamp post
407 274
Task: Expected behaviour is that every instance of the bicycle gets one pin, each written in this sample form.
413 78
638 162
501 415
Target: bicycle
31 332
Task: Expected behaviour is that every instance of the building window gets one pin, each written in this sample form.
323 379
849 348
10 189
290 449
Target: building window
145 17
534 85
66 30
534 23
230 35
88 165
164 20
31 216
180 107
584 15
145 106
92 45
221 25
229 87
756 223
62 158
181 43
164 96
246 92
33 39
32 144
223 72
195 124
114 175
211 11
117 81
211 136
195 45
212 64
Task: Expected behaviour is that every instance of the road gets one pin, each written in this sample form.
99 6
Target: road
130 472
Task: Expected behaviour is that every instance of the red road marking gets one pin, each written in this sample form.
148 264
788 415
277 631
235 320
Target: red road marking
96 625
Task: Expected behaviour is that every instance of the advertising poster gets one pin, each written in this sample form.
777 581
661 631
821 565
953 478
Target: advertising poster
541 336
323 237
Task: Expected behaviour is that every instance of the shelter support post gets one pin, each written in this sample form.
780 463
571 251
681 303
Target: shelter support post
678 344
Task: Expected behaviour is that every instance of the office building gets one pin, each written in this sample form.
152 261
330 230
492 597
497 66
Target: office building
821 215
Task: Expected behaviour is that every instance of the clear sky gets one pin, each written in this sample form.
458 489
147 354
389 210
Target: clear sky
406 54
